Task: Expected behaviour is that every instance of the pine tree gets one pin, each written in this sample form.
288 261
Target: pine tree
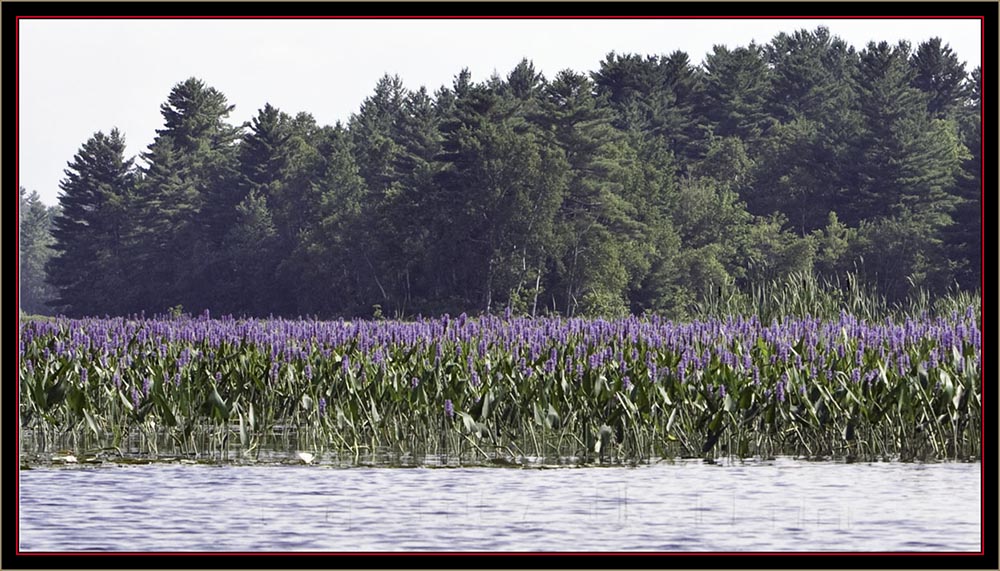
737 85
250 249
598 229
907 172
801 161
205 163
167 207
499 190
939 74
329 258
964 237
657 96
907 158
35 241
92 230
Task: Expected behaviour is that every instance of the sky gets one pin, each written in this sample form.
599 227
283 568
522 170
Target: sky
77 77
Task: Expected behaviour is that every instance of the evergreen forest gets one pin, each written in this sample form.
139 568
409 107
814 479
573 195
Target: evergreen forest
648 186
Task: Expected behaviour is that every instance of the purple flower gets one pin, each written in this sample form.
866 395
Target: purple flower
322 406
414 382
626 383
308 372
83 376
146 384
449 409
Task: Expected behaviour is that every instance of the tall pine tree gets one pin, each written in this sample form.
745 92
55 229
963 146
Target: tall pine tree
90 270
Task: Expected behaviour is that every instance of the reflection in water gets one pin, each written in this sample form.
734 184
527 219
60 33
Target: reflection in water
687 506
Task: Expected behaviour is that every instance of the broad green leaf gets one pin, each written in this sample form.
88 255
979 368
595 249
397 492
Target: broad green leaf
729 405
91 423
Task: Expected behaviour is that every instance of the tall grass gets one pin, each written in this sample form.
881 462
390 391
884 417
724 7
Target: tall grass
803 294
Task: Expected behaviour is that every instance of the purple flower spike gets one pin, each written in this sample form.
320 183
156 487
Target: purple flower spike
449 409
322 406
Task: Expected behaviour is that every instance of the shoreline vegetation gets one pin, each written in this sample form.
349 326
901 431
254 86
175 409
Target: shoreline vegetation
881 383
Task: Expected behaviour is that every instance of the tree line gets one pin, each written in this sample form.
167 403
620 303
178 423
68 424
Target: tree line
644 186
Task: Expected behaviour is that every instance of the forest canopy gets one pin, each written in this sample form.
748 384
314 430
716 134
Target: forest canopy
645 186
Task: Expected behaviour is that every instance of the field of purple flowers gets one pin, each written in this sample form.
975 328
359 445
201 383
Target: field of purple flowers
490 388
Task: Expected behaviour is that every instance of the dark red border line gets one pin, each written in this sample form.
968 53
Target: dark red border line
17 272
982 296
501 17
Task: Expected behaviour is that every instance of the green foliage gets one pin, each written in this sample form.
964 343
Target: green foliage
938 73
649 186
832 387
90 269
737 87
35 249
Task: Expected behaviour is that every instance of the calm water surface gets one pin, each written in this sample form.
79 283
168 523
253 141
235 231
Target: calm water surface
785 505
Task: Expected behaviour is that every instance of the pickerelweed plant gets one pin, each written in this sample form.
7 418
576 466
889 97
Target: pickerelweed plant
488 389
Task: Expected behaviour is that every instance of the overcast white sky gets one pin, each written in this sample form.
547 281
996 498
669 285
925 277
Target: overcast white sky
77 77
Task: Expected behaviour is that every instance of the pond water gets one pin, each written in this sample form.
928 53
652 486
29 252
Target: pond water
780 505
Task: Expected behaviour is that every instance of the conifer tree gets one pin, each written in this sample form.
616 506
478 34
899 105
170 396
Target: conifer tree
90 270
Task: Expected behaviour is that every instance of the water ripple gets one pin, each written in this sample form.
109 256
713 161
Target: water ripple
779 506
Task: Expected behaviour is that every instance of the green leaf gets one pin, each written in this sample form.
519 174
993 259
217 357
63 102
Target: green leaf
91 423
716 422
729 405
487 405
342 419
957 399
746 398
664 395
467 421
126 401
552 418
599 385
243 432
670 421
219 406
